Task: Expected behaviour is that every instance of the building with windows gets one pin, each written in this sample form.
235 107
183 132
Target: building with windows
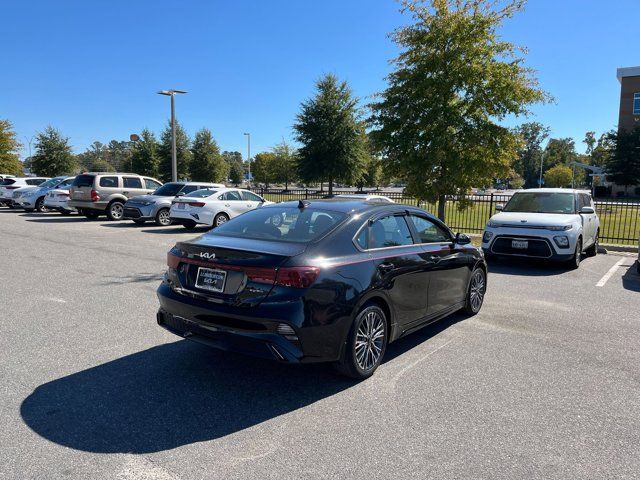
629 116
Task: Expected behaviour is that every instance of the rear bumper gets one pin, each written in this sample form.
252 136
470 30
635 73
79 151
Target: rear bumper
250 331
97 206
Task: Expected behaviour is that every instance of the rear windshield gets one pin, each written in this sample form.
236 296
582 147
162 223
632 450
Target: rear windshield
541 202
83 181
168 189
51 183
284 224
205 192
7 181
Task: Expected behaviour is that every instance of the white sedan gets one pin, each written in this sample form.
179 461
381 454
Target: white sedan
58 199
213 206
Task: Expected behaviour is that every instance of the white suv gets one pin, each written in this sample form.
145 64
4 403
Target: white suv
547 223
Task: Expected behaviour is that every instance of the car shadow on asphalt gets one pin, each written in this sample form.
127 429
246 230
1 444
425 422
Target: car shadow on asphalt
59 219
180 393
172 230
526 267
631 279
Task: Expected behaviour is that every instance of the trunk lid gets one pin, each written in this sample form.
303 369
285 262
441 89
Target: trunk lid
231 271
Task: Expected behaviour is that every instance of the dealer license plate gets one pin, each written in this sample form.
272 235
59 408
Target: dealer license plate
210 279
520 244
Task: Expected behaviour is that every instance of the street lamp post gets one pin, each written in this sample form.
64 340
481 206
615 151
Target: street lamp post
249 153
174 155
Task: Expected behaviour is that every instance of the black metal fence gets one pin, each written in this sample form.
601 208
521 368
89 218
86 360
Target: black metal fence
619 219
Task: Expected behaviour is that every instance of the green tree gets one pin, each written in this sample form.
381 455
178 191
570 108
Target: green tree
264 168
527 163
590 142
236 173
118 154
286 164
437 123
623 165
560 151
183 153
207 164
9 160
331 134
145 159
603 149
558 176
53 154
102 165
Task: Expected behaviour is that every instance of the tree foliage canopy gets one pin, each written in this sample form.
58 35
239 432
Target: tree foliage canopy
9 161
437 123
264 168
623 164
53 154
183 152
144 157
207 164
558 176
527 163
331 134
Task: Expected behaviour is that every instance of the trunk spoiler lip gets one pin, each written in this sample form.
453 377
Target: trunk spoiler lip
264 247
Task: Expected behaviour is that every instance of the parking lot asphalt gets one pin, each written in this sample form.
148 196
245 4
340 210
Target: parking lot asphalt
543 383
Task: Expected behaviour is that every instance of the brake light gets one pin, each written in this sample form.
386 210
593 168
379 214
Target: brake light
94 196
298 277
196 204
260 275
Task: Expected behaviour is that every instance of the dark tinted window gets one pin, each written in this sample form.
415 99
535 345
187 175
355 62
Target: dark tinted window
205 192
8 181
281 223
584 200
131 182
35 181
429 232
232 195
168 190
109 182
363 238
190 188
391 231
250 196
151 184
83 181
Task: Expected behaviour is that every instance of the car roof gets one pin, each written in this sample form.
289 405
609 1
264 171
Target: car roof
348 205
553 190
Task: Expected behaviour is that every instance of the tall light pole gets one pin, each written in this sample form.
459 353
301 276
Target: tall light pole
249 153
174 155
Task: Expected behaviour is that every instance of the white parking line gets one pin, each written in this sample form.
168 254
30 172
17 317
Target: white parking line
611 271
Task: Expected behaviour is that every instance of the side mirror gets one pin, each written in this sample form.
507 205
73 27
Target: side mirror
499 207
179 194
587 210
463 239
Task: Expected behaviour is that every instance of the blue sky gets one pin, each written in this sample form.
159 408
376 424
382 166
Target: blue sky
91 68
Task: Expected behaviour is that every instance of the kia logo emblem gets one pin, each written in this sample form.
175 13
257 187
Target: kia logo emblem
208 256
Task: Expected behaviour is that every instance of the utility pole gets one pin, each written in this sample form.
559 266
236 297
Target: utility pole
174 155
249 153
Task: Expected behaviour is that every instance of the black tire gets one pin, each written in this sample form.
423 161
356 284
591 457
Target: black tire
189 225
65 212
28 210
476 291
162 218
220 219
40 205
90 214
139 222
358 360
592 251
574 263
115 211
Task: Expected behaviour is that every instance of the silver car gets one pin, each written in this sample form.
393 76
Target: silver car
33 198
155 207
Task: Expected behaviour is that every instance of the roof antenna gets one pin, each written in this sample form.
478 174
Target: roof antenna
303 204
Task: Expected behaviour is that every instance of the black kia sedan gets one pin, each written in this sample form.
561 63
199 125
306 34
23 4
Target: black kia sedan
330 280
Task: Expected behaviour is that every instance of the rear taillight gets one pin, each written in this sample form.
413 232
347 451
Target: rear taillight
298 277
62 195
173 261
94 196
196 204
260 275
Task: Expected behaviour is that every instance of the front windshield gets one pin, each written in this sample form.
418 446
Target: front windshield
541 202
205 192
168 190
284 224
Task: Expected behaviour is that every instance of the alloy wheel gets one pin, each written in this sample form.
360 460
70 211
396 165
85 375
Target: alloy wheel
117 210
220 219
369 340
477 289
163 218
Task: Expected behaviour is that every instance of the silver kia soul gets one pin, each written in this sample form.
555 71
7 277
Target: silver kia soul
100 193
156 206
